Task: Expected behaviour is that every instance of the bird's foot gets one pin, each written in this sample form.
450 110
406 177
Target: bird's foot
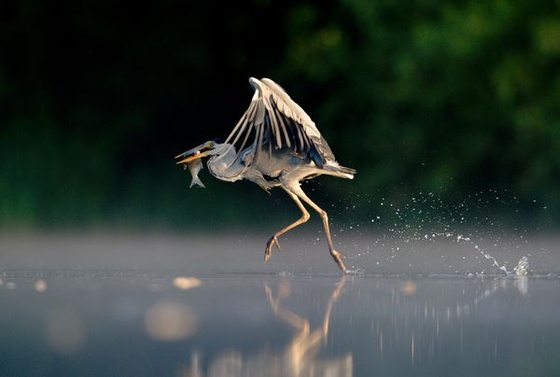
268 250
338 260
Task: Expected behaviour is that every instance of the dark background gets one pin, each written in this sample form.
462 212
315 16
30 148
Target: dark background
444 108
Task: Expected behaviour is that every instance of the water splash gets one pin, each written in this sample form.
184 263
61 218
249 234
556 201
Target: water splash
354 272
467 240
522 268
427 218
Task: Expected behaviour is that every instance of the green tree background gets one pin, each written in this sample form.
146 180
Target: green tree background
456 100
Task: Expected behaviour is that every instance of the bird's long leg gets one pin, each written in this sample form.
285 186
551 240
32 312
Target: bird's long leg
274 239
335 254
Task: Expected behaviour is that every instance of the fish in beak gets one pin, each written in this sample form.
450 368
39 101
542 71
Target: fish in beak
192 159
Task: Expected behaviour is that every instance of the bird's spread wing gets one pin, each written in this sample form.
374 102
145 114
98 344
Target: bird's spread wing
274 121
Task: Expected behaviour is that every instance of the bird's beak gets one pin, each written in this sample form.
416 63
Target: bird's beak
195 153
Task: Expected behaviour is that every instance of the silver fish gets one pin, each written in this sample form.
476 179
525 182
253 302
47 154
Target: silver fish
195 167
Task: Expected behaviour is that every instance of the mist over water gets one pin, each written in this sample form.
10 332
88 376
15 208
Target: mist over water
416 302
433 289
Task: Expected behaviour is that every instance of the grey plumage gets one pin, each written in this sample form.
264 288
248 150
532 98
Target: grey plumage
274 144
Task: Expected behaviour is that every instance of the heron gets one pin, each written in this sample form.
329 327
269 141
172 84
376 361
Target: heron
274 144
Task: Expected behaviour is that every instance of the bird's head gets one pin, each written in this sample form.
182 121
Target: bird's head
208 148
224 163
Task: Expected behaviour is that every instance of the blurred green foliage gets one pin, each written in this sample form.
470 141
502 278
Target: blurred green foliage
458 99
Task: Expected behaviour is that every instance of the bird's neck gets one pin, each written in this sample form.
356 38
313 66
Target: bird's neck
225 165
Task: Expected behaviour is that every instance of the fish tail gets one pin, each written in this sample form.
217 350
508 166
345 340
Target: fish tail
196 181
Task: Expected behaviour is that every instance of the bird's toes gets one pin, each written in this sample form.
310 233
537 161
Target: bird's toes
276 242
338 260
269 245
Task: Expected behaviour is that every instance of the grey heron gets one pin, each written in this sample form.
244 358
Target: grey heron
274 144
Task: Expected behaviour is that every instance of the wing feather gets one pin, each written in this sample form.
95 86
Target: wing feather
275 127
282 128
274 121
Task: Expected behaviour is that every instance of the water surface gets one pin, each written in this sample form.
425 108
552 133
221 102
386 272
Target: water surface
167 305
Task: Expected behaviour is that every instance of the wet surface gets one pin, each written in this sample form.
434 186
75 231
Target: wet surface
167 305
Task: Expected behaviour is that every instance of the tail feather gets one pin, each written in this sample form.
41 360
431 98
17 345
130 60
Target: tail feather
340 171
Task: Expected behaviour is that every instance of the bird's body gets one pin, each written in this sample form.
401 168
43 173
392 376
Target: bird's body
274 144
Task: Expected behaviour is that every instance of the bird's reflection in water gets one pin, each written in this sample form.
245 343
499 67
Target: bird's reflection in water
300 357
